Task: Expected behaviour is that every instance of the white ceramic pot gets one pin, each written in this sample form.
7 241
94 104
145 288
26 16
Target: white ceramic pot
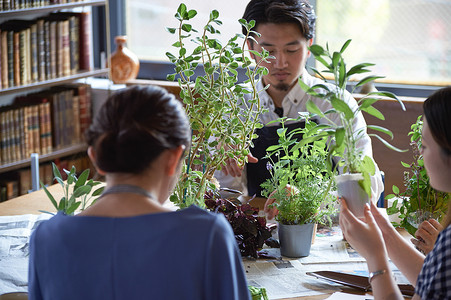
295 240
349 188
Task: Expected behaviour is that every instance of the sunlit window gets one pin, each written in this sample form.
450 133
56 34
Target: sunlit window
408 40
147 20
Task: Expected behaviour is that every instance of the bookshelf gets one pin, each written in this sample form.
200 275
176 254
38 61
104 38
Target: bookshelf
53 82
45 49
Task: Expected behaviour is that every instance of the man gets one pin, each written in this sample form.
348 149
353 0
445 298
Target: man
287 29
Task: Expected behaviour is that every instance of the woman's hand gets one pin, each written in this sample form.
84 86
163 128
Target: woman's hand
364 235
270 210
426 235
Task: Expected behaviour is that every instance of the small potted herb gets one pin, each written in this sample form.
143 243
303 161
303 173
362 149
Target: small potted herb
354 183
419 201
77 191
301 184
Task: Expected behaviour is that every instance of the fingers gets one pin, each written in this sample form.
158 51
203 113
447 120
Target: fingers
436 224
251 159
231 168
271 212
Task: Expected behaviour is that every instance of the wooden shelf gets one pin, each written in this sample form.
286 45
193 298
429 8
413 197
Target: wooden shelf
73 149
53 82
50 8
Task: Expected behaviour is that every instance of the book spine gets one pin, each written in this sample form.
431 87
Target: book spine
28 54
17 140
22 58
10 132
36 131
53 50
47 49
4 58
23 149
65 37
28 118
84 96
4 137
55 122
59 49
16 67
24 181
41 49
34 53
76 119
73 36
85 44
48 127
10 45
6 4
42 129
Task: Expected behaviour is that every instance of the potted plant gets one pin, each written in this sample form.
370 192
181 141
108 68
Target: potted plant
222 127
419 201
77 191
301 184
354 184
249 228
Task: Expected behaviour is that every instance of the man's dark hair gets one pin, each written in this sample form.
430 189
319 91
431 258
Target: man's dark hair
299 12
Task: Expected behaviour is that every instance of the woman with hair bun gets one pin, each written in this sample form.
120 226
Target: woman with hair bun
128 245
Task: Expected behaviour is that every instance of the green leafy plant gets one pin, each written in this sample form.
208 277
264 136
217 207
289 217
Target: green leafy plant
223 124
345 139
419 201
303 168
77 191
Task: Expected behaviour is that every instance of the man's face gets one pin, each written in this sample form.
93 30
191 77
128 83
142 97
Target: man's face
289 47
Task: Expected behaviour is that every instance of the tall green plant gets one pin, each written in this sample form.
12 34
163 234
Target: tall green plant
351 157
77 191
303 168
223 124
419 201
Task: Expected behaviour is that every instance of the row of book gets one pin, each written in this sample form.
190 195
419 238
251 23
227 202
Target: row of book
44 121
19 183
46 48
6 5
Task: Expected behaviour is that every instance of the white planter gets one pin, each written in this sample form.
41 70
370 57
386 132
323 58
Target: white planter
349 188
295 240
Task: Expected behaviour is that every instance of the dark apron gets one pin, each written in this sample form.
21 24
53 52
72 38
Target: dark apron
257 173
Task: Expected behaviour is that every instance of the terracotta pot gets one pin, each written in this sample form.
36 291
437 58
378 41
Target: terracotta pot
124 63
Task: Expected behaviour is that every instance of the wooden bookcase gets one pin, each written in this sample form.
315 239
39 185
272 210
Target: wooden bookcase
14 18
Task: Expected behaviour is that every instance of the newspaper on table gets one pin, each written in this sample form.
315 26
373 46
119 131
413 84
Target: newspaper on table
15 232
284 277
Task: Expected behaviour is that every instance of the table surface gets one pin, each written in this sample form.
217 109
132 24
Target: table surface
38 201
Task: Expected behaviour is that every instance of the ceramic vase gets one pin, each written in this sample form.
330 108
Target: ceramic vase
295 240
124 63
349 188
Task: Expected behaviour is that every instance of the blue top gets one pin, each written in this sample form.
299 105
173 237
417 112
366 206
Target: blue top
434 280
188 254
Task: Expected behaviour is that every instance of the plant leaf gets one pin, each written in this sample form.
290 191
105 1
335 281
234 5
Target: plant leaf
342 107
390 146
52 199
381 129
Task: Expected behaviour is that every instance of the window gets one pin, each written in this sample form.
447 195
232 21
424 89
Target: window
146 23
408 40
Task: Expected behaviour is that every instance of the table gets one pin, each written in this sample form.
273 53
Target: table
34 202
